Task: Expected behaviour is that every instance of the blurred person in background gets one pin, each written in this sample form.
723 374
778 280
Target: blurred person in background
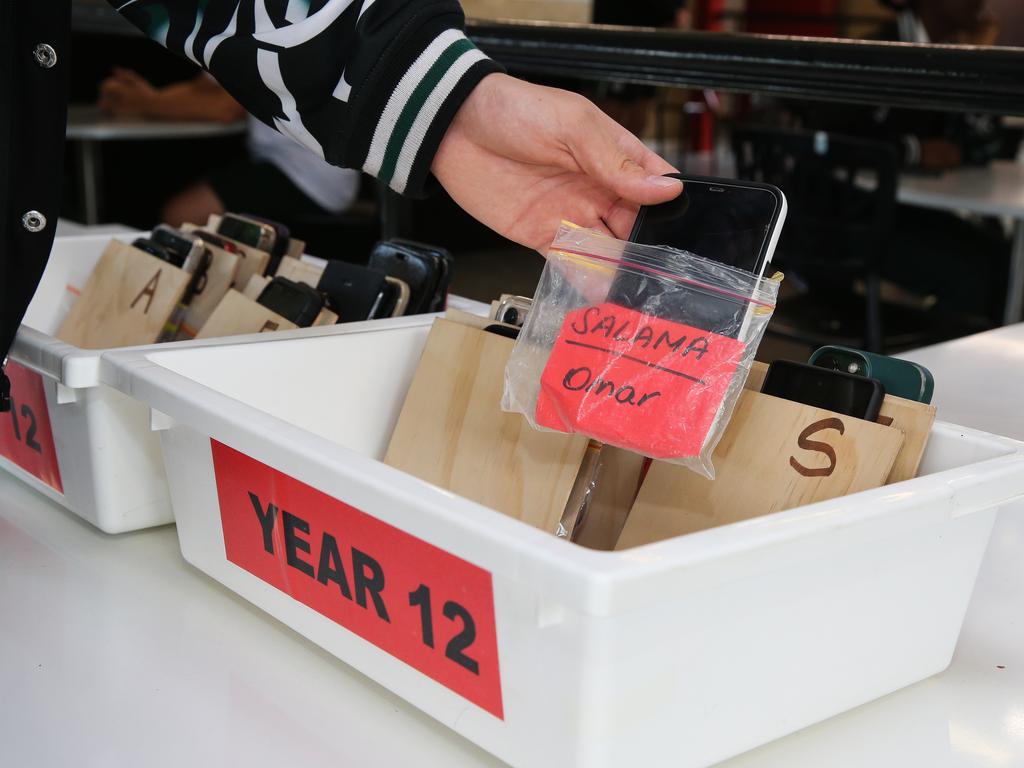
392 87
960 262
938 141
279 180
929 142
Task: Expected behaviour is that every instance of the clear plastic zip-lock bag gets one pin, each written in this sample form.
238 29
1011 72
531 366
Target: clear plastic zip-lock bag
642 347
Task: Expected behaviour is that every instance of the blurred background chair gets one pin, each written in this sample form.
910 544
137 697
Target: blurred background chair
842 201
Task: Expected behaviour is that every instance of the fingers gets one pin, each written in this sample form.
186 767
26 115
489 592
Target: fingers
109 95
619 161
651 160
620 218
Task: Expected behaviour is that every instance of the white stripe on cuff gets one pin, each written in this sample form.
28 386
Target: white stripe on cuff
426 116
400 96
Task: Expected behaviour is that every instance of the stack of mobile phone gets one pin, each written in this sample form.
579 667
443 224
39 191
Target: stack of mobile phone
185 251
401 277
362 293
424 269
294 301
848 381
837 391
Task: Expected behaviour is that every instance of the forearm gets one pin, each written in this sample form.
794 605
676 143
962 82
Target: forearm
189 101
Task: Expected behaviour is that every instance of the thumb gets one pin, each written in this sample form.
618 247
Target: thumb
619 161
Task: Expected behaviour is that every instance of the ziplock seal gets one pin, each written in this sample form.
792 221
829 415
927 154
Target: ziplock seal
633 266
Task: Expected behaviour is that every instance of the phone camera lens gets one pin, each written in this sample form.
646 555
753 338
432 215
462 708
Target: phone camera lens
511 316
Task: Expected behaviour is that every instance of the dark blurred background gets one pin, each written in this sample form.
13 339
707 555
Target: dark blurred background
865 264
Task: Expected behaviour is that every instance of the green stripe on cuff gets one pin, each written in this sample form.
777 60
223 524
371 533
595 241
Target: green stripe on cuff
415 103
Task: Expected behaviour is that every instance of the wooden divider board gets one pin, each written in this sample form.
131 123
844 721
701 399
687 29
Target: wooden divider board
775 455
465 318
326 317
617 477
453 433
913 419
127 300
296 248
300 271
253 260
219 278
255 286
755 379
615 490
236 315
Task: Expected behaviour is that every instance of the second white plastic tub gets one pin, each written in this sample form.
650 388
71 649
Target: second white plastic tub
680 653
104 463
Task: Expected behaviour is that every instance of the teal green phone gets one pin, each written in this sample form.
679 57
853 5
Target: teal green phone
901 378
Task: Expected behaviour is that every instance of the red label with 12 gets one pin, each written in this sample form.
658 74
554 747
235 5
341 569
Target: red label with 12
419 603
26 438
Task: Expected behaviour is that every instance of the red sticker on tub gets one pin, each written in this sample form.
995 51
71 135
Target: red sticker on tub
26 438
642 383
421 604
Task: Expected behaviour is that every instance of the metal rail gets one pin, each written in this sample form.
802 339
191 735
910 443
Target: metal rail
949 78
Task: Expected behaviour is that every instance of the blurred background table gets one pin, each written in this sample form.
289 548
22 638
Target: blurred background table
88 127
996 189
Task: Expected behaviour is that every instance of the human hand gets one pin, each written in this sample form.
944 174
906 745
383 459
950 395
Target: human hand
520 158
127 94
940 155
984 31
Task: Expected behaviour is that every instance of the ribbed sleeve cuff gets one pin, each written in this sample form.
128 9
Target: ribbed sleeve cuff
420 109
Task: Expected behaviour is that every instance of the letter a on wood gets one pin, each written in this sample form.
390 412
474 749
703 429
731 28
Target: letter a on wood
148 291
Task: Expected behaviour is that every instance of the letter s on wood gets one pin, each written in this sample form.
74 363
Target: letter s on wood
807 444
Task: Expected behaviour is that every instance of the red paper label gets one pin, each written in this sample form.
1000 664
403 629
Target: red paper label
639 382
421 604
26 438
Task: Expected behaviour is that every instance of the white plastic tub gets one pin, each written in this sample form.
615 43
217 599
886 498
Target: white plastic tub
681 653
109 469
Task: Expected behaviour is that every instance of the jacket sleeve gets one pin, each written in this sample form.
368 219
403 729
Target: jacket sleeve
370 84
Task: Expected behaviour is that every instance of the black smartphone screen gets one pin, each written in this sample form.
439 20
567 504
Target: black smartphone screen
723 222
836 391
156 249
173 241
716 219
247 232
419 268
293 301
355 292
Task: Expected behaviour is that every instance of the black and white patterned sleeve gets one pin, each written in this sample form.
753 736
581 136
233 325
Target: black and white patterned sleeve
370 84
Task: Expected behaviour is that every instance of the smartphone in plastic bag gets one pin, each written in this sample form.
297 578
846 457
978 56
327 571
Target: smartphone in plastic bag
633 375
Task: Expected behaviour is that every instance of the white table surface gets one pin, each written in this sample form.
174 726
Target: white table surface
86 122
114 652
69 228
996 189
